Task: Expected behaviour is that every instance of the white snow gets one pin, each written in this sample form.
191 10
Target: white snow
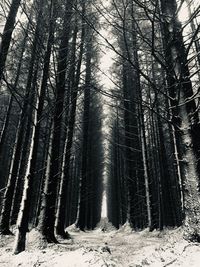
121 248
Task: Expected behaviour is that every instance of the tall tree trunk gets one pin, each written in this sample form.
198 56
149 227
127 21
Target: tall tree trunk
185 110
24 214
7 34
14 169
25 151
69 141
142 125
5 129
49 211
82 220
41 182
23 217
6 124
146 170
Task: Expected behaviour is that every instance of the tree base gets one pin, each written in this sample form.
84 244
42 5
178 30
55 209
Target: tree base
64 235
151 229
47 235
51 239
20 242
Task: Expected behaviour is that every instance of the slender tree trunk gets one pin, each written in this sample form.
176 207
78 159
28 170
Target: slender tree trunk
118 166
24 214
14 169
25 152
65 174
55 166
39 116
7 34
82 220
6 124
23 217
4 132
194 30
38 198
142 129
146 172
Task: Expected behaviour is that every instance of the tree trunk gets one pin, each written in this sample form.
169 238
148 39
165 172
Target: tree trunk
23 218
55 166
5 129
194 30
82 220
25 152
7 34
14 169
185 110
61 215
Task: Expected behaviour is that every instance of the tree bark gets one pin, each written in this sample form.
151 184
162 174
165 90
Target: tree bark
7 34
24 214
17 154
49 211
83 209
61 215
183 108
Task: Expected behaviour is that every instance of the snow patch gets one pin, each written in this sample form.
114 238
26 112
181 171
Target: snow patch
119 248
73 228
105 226
126 228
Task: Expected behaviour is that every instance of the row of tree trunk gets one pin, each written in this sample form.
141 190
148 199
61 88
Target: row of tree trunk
57 160
154 147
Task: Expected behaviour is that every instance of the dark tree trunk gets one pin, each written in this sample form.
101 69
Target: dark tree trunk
5 130
25 152
7 34
15 164
61 216
49 211
82 220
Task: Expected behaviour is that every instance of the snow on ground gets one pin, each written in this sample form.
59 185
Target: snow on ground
111 247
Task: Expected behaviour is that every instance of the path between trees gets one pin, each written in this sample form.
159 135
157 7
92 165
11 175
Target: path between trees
122 248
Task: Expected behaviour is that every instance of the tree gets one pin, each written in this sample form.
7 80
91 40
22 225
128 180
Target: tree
49 210
7 34
184 109
24 213
26 115
74 80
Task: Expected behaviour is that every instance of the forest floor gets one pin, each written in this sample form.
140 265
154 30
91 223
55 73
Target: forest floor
121 248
